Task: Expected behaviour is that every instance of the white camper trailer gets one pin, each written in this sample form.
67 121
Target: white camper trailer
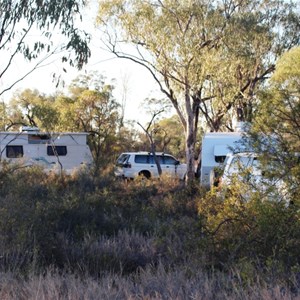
66 151
215 147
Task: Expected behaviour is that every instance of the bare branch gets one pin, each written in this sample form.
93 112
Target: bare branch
36 66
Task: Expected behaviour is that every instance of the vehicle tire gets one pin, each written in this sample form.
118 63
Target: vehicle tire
214 179
145 174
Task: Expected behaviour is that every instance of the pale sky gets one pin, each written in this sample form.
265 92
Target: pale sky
140 83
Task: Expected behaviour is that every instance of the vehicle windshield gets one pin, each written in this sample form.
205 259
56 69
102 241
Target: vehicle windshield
122 159
239 163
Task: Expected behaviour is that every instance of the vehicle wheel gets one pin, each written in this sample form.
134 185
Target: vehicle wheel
145 174
214 180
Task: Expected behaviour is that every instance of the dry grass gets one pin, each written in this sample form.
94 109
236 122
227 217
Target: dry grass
150 283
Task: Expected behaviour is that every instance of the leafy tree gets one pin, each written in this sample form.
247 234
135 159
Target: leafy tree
128 139
21 20
169 137
150 132
4 116
276 130
97 114
94 110
91 110
31 108
67 116
208 57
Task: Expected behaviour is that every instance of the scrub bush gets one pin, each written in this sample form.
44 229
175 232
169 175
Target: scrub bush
97 226
254 235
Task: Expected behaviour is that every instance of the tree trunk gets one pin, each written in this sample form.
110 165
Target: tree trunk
190 150
152 144
155 158
190 138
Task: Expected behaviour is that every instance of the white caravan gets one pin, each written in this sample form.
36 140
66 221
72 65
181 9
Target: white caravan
215 147
65 151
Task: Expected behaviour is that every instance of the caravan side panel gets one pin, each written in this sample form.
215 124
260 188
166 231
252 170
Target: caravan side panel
68 151
215 147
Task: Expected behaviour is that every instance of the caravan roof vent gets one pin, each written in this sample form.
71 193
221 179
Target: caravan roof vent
29 129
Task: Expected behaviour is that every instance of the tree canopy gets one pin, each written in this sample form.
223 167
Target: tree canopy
208 57
275 132
93 110
27 28
279 111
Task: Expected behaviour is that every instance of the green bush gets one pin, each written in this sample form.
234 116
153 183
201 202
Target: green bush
259 232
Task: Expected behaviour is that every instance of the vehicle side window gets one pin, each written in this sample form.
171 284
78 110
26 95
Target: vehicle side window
169 160
141 159
57 150
152 161
14 151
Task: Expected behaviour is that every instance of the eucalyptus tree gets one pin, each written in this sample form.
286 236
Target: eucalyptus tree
89 107
167 133
275 132
207 56
31 108
92 108
27 29
279 111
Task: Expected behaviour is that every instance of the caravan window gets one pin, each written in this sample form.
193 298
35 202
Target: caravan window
57 150
220 158
14 151
38 138
220 152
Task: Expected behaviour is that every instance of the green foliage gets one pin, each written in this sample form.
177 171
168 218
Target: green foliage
90 110
214 55
275 132
4 117
251 233
18 22
208 58
168 136
30 107
94 226
48 218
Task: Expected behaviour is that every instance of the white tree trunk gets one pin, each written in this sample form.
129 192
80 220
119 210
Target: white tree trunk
190 138
190 151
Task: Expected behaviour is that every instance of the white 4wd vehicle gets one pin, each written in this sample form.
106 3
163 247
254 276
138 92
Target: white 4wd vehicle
133 164
237 164
247 168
